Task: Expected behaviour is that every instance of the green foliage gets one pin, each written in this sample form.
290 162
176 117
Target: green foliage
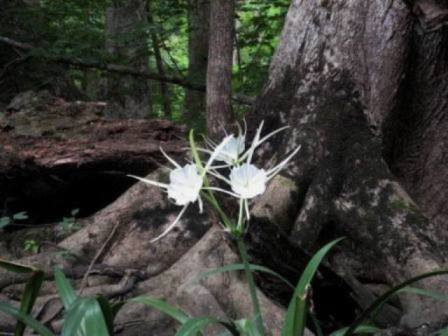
259 25
30 294
31 246
164 307
95 315
25 318
73 29
68 224
6 220
240 267
297 311
378 303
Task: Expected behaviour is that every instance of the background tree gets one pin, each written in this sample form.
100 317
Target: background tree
198 37
127 43
219 68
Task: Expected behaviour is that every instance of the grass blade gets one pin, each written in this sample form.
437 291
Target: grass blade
30 293
15 267
316 323
240 267
95 322
29 321
86 318
362 329
162 306
65 289
294 324
108 313
386 296
194 326
247 327
424 292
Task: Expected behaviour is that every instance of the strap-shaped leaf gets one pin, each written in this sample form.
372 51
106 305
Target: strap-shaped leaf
362 329
162 306
240 267
85 318
195 325
386 296
30 293
66 292
294 324
15 267
28 320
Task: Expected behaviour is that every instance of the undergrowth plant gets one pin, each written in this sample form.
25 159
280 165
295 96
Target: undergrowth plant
227 163
7 220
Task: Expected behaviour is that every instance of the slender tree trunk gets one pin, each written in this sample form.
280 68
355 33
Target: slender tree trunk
219 69
164 89
198 43
126 42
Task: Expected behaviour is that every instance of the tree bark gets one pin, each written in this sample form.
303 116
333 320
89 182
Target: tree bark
52 151
338 78
219 69
127 43
164 89
198 44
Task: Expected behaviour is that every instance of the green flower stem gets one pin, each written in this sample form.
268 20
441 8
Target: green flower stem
252 289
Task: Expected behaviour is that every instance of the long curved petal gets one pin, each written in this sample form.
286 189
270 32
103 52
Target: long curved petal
222 190
175 164
171 226
274 171
154 183
216 152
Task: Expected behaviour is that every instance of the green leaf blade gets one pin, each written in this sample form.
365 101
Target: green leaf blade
240 267
29 297
66 292
162 306
294 324
24 318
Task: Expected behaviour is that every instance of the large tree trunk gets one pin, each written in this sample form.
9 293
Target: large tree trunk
219 69
198 36
127 43
356 79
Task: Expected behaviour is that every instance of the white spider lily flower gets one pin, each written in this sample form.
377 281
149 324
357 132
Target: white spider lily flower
185 184
232 150
247 181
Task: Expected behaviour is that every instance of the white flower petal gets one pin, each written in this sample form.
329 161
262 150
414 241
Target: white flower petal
154 183
232 150
248 181
171 226
174 163
216 152
185 184
274 171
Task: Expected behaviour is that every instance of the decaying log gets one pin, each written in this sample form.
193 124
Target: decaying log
52 151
